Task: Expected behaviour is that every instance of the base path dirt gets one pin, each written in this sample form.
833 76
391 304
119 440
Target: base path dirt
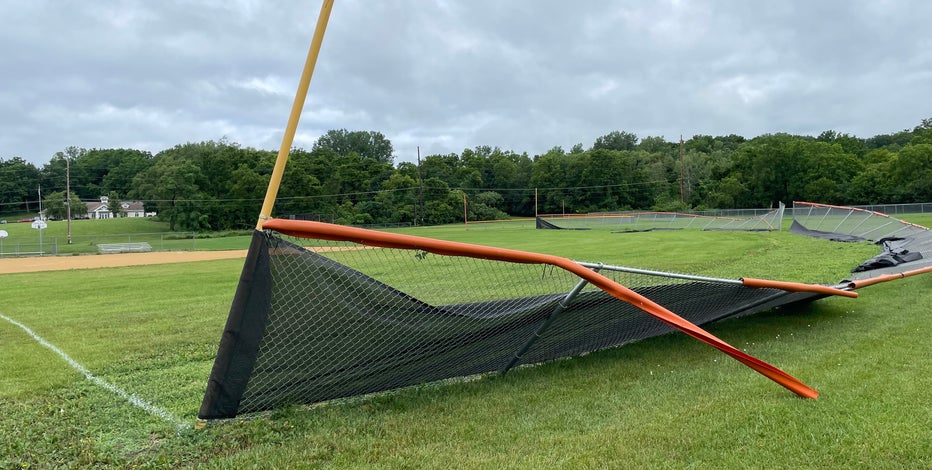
61 263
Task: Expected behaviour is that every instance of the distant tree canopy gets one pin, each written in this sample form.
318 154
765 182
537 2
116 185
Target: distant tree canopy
55 205
366 144
349 177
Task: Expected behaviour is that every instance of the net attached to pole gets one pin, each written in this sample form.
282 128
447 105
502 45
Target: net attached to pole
906 248
634 221
363 311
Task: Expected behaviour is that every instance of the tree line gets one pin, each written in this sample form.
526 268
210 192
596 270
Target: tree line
349 177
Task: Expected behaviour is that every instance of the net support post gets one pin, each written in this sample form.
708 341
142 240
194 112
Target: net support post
563 305
297 106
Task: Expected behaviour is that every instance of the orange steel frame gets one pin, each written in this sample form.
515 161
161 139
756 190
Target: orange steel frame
319 230
888 277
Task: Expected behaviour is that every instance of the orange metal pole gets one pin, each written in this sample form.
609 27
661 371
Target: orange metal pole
797 287
888 277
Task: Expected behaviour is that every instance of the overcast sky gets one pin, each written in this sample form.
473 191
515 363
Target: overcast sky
523 75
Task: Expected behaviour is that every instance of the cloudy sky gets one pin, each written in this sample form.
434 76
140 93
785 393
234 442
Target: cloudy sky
523 75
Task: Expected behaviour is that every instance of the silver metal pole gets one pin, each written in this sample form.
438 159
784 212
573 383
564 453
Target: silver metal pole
563 305
658 273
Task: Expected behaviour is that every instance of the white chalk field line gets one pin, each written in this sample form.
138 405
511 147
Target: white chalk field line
130 397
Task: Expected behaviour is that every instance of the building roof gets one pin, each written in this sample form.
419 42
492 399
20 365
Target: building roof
102 206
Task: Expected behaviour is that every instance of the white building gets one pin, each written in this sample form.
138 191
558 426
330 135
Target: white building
102 210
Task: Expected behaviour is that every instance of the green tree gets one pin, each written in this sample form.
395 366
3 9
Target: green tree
367 144
651 144
825 172
552 174
399 198
55 206
729 193
171 184
19 181
610 179
616 140
247 190
849 144
123 166
53 173
115 204
486 206
911 173
769 168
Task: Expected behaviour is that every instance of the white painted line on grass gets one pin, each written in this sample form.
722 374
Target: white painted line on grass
130 397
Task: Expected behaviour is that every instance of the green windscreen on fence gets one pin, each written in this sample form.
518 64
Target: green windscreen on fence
640 221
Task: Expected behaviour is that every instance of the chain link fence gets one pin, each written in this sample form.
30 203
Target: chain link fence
342 319
91 244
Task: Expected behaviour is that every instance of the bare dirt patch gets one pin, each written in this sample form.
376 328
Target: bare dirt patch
64 263
116 260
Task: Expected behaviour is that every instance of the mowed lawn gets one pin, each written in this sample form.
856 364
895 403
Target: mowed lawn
671 401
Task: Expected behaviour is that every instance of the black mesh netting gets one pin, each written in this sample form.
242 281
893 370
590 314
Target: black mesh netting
339 320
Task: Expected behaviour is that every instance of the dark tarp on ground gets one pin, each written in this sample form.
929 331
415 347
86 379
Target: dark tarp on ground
898 254
655 229
895 252
799 229
543 224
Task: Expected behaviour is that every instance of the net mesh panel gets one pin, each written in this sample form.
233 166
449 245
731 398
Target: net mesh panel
907 245
860 223
649 221
347 320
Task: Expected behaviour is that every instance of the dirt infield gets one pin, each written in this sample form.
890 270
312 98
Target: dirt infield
63 263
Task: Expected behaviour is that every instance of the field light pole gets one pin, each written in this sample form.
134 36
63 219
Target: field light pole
68 196
38 221
296 107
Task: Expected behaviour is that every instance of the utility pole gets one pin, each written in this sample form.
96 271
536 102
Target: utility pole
68 196
682 173
419 207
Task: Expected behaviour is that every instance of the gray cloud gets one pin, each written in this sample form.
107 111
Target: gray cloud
448 75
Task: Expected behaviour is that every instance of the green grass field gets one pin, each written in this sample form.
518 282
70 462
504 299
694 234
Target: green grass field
87 234
671 401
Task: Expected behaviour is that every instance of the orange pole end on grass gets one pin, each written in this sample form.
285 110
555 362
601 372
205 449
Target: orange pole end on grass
888 277
292 126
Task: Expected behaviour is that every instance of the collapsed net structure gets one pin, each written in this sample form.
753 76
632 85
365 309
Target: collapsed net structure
906 247
361 311
650 221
